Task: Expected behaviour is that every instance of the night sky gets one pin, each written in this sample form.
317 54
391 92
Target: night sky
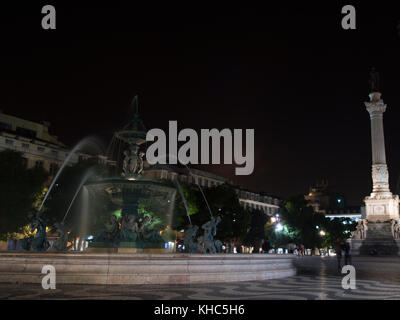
289 72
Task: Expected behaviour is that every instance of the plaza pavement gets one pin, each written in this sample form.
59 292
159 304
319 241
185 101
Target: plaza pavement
317 278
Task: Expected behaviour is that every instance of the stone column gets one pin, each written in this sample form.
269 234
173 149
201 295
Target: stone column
381 204
380 175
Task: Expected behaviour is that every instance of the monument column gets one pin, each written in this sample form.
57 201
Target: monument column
380 175
378 232
381 205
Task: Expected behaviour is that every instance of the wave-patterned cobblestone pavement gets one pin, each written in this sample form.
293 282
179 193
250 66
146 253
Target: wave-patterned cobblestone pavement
293 288
317 279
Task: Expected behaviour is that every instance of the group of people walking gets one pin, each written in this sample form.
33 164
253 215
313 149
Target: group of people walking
342 246
300 250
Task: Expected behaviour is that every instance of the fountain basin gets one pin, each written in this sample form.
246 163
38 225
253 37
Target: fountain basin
143 268
124 191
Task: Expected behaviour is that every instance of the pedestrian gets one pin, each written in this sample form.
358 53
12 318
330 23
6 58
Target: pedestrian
338 249
347 253
302 250
265 246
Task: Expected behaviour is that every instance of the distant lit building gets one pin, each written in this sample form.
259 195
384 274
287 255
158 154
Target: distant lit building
248 199
171 172
33 140
258 201
331 204
353 213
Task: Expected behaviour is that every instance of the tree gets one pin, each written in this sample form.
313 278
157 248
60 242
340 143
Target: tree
256 235
302 222
337 228
304 226
180 218
223 202
20 188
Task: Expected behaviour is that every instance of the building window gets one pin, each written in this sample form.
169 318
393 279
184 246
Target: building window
40 149
54 153
9 142
26 132
39 164
53 168
25 146
25 162
5 126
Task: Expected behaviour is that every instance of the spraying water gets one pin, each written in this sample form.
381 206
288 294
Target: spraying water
79 146
84 217
87 175
198 185
184 200
171 208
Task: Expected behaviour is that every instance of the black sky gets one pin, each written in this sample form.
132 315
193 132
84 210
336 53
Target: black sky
288 71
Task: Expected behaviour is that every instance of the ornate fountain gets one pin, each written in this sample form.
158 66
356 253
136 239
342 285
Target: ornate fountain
134 231
135 235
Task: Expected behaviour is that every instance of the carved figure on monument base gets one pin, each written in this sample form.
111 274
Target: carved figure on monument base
361 230
396 229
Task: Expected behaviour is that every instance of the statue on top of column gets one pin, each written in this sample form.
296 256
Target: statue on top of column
374 80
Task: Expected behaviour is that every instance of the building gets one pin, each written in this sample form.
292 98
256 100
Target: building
248 199
171 172
332 204
258 201
33 140
353 213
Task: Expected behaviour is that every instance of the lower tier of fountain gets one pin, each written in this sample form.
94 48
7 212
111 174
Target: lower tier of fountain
143 268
